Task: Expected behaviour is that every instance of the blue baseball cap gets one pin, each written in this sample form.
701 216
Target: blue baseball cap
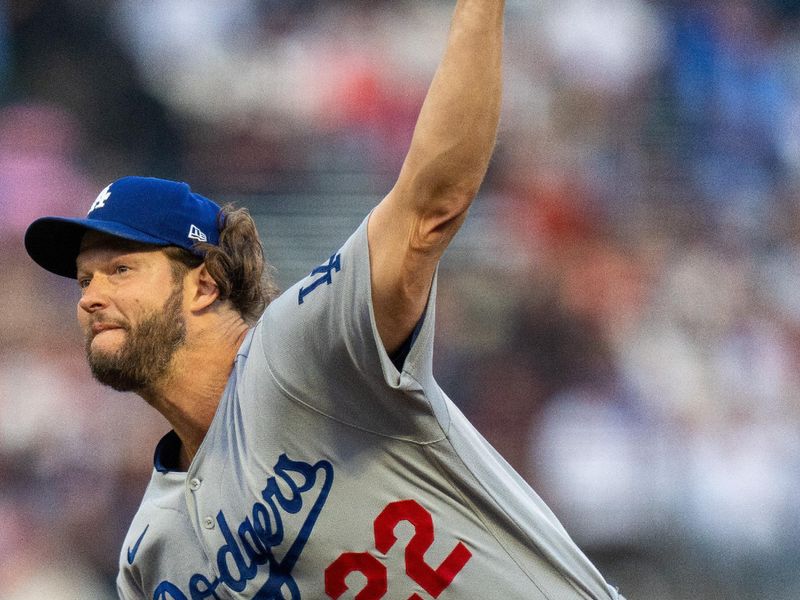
142 209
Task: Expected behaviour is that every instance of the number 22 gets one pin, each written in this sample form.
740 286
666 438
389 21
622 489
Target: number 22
433 581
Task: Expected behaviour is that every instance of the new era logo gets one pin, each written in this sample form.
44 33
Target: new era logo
196 234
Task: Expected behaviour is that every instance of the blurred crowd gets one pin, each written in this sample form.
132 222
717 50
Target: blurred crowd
634 348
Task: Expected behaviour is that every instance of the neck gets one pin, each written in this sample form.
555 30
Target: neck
189 394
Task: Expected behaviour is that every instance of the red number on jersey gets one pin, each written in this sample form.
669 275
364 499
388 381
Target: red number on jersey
350 562
433 581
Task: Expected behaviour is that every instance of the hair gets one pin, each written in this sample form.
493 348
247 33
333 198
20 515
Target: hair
236 265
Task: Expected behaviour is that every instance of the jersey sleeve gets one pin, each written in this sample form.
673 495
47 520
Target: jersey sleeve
322 347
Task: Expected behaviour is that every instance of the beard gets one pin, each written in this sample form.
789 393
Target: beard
147 351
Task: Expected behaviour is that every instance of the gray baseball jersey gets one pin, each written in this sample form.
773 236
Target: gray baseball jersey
328 473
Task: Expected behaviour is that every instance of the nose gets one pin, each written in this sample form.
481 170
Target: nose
94 296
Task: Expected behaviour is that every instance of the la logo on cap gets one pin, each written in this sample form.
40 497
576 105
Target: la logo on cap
100 201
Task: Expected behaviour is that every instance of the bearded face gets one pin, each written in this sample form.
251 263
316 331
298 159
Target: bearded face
145 354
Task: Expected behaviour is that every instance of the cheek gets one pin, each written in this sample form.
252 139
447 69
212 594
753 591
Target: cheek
83 319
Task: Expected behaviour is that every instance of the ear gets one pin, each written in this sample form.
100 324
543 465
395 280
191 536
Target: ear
203 288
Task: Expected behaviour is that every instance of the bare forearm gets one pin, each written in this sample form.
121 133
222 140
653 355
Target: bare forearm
456 129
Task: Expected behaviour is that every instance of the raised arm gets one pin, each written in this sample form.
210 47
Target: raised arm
450 150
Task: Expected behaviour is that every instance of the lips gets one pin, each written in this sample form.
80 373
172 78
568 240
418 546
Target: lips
101 327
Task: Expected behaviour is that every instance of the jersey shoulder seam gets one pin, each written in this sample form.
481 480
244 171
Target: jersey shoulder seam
316 410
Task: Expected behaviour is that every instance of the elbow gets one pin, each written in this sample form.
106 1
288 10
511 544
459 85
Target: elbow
449 199
441 194
448 194
439 223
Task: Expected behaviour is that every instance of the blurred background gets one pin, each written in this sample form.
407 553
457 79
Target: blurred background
620 316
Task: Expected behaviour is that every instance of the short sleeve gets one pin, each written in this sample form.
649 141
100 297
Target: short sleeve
322 347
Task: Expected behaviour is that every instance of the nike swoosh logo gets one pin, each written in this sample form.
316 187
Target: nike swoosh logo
132 551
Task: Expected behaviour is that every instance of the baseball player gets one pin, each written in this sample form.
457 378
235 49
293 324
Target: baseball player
312 453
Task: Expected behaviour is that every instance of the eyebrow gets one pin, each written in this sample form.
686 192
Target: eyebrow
113 244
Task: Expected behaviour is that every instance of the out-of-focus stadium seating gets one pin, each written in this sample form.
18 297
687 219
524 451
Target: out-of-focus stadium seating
620 316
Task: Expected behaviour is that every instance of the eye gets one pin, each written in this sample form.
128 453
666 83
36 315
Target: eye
119 269
84 282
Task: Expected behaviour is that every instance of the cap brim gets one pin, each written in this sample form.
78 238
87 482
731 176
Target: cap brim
54 242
